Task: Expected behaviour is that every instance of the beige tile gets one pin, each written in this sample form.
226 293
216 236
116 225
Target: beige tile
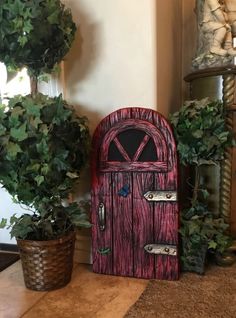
89 295
15 298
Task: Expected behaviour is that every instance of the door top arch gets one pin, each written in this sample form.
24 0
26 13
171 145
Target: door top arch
133 159
155 128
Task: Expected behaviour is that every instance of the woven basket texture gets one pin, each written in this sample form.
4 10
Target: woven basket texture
47 265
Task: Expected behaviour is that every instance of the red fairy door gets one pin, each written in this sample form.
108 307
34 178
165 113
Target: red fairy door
134 196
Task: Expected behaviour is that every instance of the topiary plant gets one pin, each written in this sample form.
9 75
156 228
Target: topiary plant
36 34
43 147
202 138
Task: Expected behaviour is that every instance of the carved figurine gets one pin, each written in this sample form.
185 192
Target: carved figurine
230 9
216 24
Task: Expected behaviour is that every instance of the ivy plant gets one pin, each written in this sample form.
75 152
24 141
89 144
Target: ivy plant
201 132
202 139
43 147
35 34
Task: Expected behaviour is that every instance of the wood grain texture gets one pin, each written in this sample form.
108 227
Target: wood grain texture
143 226
131 220
122 226
102 240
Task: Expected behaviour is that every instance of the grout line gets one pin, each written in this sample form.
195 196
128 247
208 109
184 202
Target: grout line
35 304
75 265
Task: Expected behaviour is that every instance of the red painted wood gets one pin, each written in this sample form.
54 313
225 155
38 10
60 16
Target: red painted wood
132 221
141 148
110 166
122 226
166 227
149 128
142 225
121 149
102 239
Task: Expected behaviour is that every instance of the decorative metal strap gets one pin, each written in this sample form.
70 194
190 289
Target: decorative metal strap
161 249
161 196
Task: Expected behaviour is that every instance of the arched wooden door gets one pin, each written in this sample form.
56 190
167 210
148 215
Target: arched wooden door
134 196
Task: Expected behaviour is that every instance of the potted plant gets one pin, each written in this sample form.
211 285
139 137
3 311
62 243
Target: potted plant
35 34
43 144
202 138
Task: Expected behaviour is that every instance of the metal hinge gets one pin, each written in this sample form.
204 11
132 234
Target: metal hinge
161 196
161 249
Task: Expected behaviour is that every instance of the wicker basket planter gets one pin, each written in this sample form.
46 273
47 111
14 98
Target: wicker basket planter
47 265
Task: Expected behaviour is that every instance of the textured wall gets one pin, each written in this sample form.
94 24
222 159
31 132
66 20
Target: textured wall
113 61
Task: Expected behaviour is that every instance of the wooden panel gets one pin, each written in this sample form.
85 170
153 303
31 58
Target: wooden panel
149 128
122 226
165 231
134 166
132 221
143 114
142 225
165 220
102 240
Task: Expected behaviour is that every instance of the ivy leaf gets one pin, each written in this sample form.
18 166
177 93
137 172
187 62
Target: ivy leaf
60 164
205 193
19 133
27 26
34 167
39 180
31 109
17 111
2 112
54 17
3 223
45 169
14 121
198 133
22 40
42 147
44 129
61 113
13 218
12 150
212 244
2 130
193 228
34 122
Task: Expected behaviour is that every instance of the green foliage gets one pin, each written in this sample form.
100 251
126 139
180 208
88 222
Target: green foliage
49 224
36 34
202 138
201 227
43 147
201 132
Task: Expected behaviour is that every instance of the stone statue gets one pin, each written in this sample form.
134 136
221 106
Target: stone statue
230 10
216 29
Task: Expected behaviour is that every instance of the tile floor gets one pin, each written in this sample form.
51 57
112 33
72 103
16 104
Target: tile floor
88 295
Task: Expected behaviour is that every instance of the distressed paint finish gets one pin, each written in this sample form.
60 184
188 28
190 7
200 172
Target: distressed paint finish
142 225
132 222
102 263
122 226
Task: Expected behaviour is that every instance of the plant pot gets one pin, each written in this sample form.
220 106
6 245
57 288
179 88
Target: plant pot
193 260
47 265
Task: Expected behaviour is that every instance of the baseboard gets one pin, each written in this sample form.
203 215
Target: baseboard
83 249
8 247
